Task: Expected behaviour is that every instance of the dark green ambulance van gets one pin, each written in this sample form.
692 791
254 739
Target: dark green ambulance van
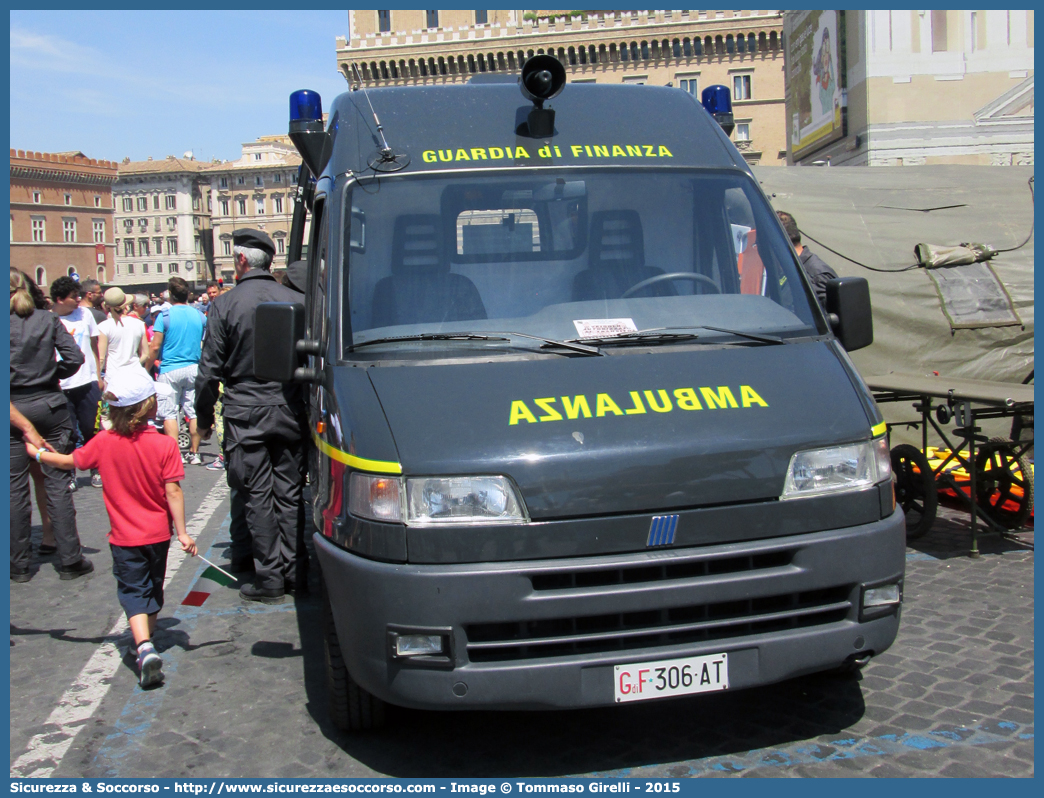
583 435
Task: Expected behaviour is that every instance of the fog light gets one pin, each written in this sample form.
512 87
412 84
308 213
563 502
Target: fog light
881 596
418 645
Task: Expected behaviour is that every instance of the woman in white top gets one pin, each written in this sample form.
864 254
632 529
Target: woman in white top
121 341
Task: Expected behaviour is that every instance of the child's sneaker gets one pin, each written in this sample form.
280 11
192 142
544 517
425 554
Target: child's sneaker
217 465
96 481
149 666
195 459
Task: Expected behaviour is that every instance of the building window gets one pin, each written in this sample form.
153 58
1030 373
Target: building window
257 156
41 276
638 80
99 231
195 221
36 197
741 87
433 19
242 207
128 205
224 182
158 242
197 246
172 246
128 225
240 180
117 268
155 202
97 202
144 268
743 131
384 21
172 223
481 17
143 224
224 207
130 268
938 31
209 204
171 202
128 248
277 178
71 271
259 181
226 247
278 200
689 85
68 199
143 203
39 234
280 246
261 207
69 229
172 268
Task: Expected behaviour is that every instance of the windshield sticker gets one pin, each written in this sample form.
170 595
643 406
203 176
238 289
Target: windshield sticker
603 328
637 403
550 152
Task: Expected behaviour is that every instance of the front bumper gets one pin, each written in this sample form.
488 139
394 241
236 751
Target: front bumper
546 633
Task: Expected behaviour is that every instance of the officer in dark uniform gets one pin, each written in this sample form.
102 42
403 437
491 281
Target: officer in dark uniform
265 423
819 274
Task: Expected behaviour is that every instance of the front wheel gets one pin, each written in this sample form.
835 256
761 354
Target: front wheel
915 489
351 707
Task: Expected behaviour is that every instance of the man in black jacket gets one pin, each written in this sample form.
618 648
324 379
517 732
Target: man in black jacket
819 274
265 423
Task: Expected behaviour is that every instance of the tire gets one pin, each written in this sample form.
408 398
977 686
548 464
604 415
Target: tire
915 490
995 488
184 439
351 708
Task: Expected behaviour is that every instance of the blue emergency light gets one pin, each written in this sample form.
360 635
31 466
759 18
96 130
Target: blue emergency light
306 106
718 102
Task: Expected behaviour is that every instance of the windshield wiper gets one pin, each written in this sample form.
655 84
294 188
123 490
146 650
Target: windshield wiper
471 336
639 337
765 339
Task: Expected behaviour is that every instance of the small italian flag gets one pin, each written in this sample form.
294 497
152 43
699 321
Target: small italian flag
209 581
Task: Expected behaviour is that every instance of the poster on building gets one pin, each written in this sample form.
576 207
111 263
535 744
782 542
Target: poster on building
813 72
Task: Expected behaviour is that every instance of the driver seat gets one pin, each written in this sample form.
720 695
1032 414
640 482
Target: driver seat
616 259
421 288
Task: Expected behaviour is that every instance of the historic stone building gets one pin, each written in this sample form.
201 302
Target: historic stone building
255 191
161 213
927 87
688 50
61 215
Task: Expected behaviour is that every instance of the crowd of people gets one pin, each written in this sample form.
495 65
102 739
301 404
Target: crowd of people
98 379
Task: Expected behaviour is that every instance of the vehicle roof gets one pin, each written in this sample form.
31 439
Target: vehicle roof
438 126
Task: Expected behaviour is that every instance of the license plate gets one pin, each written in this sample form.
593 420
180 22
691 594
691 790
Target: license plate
669 677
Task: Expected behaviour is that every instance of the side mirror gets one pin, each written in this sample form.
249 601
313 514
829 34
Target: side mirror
278 326
848 303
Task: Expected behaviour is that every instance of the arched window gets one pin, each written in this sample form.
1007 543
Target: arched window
414 72
645 51
624 52
708 45
41 276
374 74
634 51
719 45
501 62
442 65
603 54
762 42
101 274
384 70
697 46
614 54
687 47
471 63
676 48
752 43
741 43
773 41
582 55
562 56
730 44
592 54
432 69
491 61
71 271
572 56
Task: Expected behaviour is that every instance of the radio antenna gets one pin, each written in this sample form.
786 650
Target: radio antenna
386 159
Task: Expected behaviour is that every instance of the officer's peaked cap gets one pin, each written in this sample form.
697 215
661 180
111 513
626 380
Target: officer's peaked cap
255 239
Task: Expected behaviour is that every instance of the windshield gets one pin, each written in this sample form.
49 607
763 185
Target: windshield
564 255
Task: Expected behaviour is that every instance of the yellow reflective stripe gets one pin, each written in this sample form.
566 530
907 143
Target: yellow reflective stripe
879 429
378 466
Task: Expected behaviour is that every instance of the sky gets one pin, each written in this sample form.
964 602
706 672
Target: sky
118 84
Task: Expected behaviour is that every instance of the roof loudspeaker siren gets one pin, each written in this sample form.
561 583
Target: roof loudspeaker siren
542 78
306 130
718 102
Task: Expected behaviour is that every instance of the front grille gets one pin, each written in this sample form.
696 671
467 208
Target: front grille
497 642
563 580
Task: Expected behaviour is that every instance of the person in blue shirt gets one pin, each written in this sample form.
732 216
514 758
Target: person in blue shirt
177 342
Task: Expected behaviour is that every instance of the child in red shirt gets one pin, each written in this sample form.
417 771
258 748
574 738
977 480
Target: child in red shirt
141 472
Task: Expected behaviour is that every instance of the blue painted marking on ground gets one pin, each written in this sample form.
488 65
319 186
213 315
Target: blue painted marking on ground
142 708
804 753
920 555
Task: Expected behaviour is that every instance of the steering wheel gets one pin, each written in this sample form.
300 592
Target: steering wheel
696 278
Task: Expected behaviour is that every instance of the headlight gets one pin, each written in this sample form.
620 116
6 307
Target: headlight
839 469
378 498
462 500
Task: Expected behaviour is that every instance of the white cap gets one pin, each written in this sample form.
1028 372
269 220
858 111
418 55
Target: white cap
128 386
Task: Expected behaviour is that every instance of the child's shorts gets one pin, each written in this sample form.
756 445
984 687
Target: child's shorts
139 572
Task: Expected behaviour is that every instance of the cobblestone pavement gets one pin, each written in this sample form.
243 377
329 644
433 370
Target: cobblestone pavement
244 694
